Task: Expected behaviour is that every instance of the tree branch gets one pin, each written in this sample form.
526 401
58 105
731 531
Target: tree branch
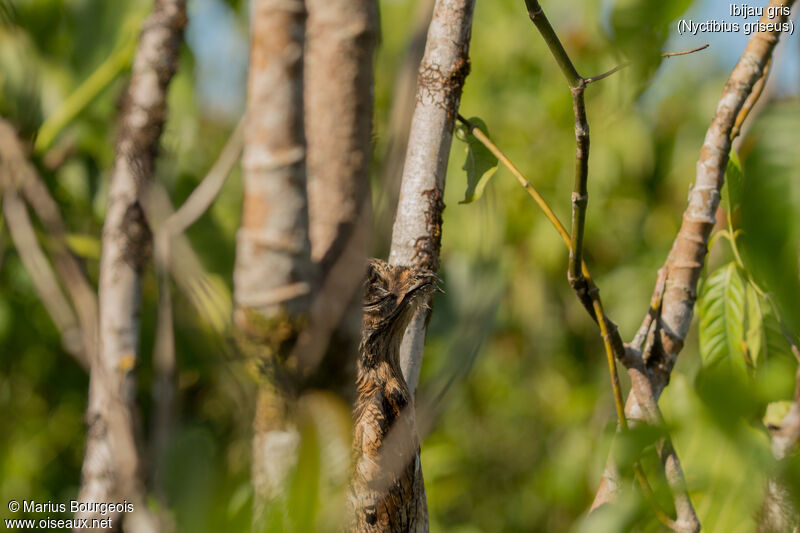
23 235
685 262
112 465
417 231
71 272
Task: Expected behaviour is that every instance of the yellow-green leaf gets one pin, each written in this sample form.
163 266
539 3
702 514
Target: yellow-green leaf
754 337
721 308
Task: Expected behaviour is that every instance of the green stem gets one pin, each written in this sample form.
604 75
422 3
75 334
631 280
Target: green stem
116 63
556 48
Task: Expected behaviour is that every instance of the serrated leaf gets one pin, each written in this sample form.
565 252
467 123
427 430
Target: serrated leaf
776 412
721 308
480 164
754 337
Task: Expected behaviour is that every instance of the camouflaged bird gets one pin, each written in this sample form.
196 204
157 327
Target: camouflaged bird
387 490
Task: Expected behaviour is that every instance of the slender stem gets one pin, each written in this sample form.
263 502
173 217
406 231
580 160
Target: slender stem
685 52
751 100
580 193
612 341
117 62
538 17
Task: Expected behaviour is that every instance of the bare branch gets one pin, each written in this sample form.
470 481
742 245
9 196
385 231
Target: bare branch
400 114
685 52
44 280
112 465
24 177
204 194
416 235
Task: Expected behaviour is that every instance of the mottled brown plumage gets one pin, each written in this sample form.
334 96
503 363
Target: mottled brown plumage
387 492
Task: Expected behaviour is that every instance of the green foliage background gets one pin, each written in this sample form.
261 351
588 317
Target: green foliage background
514 371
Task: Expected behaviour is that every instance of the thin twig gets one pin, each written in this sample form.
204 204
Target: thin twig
24 177
44 279
204 194
752 98
610 334
685 52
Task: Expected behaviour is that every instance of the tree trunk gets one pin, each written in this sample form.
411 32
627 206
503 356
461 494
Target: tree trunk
112 464
273 273
340 42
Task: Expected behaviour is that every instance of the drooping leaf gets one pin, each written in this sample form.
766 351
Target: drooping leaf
721 308
480 164
754 338
732 191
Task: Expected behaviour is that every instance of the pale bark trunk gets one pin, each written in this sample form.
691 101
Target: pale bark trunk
273 273
341 36
416 235
112 464
403 96
685 262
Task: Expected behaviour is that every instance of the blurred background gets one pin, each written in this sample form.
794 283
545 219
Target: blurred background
519 413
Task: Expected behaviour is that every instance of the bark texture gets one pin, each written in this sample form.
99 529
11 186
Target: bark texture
403 96
112 464
671 317
341 36
273 272
417 231
387 491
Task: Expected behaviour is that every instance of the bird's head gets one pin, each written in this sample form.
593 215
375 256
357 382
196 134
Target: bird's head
392 294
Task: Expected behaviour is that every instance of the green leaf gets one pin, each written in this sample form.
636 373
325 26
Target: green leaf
775 342
85 246
776 412
732 191
721 308
480 164
754 338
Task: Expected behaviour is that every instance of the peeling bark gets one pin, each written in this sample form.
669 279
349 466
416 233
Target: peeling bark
112 464
416 235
